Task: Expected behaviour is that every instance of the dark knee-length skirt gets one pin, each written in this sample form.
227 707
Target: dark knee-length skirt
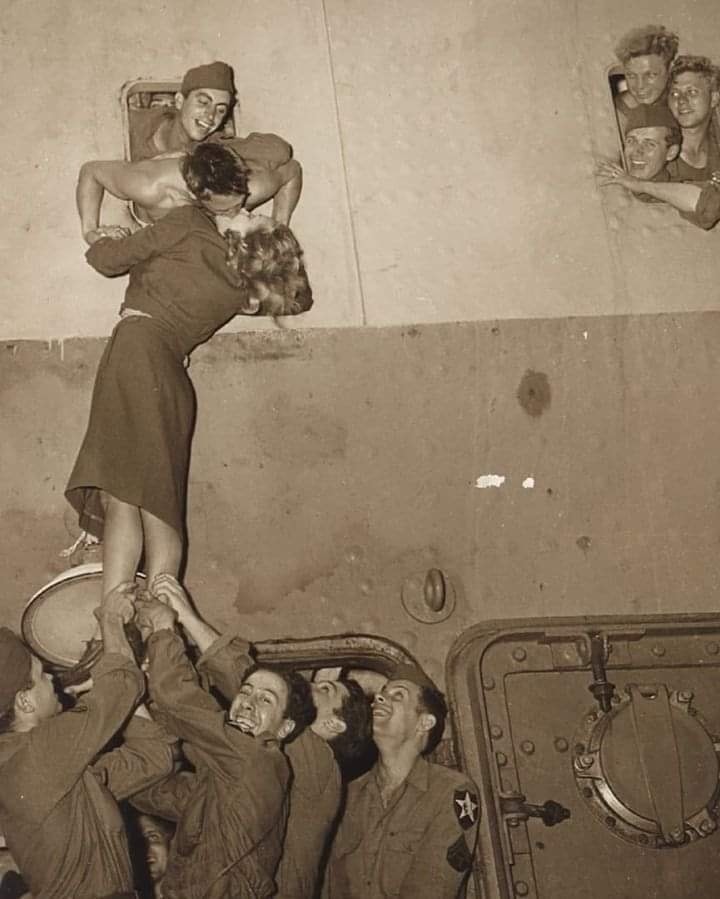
137 445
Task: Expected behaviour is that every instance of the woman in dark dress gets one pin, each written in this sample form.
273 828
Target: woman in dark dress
186 281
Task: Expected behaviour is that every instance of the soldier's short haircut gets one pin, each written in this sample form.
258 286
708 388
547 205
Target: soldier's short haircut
431 700
698 64
355 711
213 169
300 707
648 40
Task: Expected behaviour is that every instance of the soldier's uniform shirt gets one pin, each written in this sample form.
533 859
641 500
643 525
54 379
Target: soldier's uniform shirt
707 210
58 798
624 110
418 847
679 170
315 795
316 788
231 812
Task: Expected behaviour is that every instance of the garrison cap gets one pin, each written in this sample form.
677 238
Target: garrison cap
215 76
15 667
650 116
412 673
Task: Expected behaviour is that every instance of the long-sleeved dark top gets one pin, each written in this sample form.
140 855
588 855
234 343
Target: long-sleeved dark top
231 812
58 795
315 791
178 274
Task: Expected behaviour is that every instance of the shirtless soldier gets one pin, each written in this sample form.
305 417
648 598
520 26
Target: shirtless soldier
159 185
262 162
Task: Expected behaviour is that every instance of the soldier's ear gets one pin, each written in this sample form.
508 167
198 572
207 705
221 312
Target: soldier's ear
426 722
672 152
335 725
714 98
179 100
286 728
24 702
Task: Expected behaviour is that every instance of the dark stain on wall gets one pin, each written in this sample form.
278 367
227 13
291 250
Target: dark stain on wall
534 392
584 543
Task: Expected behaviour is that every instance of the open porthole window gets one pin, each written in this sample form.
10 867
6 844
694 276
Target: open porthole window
617 84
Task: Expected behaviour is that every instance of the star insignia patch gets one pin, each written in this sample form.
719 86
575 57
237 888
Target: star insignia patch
465 805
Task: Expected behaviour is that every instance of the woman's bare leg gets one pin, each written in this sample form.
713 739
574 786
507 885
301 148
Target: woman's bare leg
122 543
163 547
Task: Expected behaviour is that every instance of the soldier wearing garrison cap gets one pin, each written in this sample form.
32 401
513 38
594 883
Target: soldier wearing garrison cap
410 826
58 793
202 104
652 140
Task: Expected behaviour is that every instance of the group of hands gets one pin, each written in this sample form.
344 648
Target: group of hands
609 173
155 609
114 232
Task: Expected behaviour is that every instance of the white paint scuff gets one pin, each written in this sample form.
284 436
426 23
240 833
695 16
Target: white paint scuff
490 480
529 483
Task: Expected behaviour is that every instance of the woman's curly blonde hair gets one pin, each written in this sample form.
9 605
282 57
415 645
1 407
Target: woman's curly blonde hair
267 265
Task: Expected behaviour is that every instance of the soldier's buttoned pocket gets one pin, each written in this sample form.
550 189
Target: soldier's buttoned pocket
399 850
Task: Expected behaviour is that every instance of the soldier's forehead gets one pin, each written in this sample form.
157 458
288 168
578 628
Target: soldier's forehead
408 685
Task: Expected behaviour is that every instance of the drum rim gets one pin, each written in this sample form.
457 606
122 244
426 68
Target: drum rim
76 573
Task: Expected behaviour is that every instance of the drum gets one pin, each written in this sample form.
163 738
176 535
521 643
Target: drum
58 621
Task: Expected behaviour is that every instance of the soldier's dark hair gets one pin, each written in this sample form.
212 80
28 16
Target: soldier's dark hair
432 701
300 707
648 40
699 64
211 168
355 711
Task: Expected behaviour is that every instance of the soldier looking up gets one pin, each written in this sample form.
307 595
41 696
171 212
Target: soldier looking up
410 826
232 810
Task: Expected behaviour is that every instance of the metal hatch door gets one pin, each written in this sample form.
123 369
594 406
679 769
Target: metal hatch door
595 746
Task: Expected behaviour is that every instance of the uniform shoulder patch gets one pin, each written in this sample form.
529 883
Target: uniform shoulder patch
458 855
465 805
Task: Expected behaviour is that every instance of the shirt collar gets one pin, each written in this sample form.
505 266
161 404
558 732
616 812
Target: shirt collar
417 778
